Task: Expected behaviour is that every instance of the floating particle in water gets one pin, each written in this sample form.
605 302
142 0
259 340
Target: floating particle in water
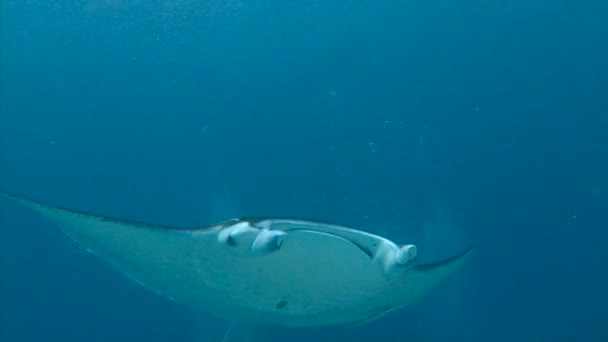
477 109
596 189
336 95
372 146
204 129
52 142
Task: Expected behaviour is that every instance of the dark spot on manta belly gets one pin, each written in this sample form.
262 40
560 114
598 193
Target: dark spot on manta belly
281 304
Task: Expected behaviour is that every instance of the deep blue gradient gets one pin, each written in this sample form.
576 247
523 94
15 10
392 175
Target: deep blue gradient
440 122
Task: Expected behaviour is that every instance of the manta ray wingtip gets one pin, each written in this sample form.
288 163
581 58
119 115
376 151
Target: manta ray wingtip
4 194
18 199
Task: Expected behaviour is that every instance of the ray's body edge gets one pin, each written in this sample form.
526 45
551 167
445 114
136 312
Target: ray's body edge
203 228
364 316
25 200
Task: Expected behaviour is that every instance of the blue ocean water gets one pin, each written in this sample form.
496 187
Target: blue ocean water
440 122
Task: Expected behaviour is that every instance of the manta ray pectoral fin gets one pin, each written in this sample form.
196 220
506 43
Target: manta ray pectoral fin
144 253
61 216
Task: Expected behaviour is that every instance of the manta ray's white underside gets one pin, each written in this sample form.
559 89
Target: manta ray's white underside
274 271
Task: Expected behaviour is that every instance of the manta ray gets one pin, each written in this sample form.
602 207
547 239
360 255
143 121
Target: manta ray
284 272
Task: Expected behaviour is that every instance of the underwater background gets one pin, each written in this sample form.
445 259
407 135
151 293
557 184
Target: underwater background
444 123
